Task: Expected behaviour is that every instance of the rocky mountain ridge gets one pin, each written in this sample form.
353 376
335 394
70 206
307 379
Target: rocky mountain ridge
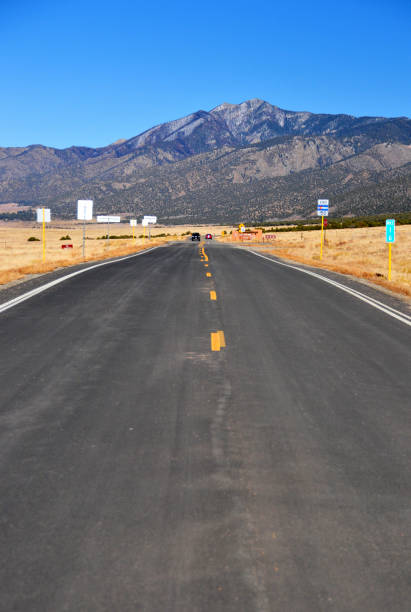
191 166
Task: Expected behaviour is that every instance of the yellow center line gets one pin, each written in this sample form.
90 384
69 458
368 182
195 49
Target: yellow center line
222 338
213 295
215 341
208 273
206 265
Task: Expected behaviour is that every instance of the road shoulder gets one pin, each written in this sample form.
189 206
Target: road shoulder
391 299
15 289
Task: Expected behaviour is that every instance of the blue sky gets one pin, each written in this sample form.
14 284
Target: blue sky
90 72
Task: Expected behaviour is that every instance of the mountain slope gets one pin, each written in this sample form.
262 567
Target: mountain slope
234 159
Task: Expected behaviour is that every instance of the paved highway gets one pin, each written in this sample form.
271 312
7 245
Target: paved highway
164 448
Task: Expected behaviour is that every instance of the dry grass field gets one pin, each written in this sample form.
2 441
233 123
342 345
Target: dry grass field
360 252
19 257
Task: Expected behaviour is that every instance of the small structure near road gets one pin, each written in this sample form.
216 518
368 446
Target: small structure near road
248 235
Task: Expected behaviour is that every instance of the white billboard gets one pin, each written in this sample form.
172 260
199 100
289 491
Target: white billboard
108 219
150 218
133 222
85 210
47 215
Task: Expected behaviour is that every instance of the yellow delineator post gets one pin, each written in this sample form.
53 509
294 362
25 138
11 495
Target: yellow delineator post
322 209
44 235
133 223
390 238
43 216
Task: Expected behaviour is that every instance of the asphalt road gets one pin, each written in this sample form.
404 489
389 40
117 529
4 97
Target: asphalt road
140 470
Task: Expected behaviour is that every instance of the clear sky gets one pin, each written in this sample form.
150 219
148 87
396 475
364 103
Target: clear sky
90 72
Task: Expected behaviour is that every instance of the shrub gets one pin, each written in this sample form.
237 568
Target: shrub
33 239
66 237
114 237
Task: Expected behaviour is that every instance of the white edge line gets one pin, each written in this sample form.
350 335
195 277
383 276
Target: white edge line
33 292
396 314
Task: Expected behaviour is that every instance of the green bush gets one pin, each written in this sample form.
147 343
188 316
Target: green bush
67 237
33 239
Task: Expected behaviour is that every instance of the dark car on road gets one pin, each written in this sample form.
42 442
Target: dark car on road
195 236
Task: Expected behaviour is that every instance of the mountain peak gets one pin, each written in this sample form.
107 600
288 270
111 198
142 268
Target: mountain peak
223 106
251 104
255 102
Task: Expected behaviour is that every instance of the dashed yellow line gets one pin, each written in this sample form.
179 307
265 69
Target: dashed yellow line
204 254
208 273
206 265
213 295
217 340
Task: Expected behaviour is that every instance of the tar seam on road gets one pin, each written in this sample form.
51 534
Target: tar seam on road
30 294
396 314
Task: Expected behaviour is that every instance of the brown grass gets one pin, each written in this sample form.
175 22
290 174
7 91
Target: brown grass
19 258
360 252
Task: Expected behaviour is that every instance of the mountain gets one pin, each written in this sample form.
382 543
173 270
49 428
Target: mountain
251 161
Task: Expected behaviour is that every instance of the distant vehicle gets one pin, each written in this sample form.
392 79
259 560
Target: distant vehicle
195 236
208 237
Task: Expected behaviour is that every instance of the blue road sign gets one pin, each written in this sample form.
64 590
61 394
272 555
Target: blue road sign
390 230
322 208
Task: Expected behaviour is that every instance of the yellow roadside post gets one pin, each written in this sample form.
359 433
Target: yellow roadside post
44 235
322 210
147 219
133 223
43 216
84 213
389 238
